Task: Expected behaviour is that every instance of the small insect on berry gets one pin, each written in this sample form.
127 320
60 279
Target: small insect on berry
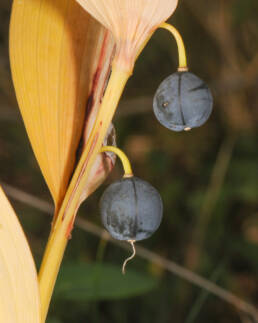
182 102
131 209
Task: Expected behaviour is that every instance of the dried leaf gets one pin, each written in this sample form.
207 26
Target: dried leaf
19 293
60 58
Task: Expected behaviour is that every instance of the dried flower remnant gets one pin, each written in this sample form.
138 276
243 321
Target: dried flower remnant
132 22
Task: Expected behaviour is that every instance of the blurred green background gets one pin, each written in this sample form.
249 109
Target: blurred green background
208 179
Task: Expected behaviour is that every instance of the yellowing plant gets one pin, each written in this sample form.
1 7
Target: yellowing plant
70 62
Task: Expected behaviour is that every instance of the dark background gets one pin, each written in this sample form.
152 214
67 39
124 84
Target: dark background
208 179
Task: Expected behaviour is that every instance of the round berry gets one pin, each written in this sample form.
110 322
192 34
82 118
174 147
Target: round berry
131 209
182 101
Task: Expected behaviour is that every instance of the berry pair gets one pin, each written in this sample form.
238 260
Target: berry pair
131 209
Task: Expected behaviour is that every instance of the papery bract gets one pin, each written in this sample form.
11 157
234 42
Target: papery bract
131 21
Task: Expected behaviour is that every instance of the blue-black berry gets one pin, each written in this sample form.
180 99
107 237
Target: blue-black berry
131 209
182 101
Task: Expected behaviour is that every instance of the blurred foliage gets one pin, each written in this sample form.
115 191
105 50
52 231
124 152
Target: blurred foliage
87 282
210 211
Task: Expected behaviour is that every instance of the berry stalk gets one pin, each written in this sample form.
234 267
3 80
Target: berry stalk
125 161
180 45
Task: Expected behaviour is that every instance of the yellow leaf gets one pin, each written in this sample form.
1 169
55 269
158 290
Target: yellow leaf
55 51
19 295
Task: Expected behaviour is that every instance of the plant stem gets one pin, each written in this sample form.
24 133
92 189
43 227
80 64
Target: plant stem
125 161
180 44
63 225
